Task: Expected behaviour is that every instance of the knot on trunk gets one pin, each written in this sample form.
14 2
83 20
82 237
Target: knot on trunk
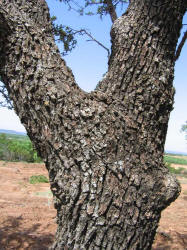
173 189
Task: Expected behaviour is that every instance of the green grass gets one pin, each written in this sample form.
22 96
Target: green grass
175 160
38 179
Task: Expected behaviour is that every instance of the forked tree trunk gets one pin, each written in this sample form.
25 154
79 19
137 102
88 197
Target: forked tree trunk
104 149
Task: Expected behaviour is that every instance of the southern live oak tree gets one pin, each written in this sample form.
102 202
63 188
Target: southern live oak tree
104 149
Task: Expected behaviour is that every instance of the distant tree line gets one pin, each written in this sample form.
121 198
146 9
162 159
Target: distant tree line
17 149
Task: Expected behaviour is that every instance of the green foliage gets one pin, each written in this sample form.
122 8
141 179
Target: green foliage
174 160
17 148
184 129
4 98
38 179
64 34
102 6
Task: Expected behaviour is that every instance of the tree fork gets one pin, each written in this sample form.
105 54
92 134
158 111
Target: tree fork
104 149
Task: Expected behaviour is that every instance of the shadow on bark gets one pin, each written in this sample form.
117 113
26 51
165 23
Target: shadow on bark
14 236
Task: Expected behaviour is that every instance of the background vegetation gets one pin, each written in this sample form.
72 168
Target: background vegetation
175 159
173 163
17 148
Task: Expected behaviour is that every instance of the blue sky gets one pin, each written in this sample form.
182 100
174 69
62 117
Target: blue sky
89 62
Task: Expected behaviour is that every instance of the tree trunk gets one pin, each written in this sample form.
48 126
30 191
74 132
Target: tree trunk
104 149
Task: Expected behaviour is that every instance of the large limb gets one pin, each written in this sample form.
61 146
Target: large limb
141 68
37 78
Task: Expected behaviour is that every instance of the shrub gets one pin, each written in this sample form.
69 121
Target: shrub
38 179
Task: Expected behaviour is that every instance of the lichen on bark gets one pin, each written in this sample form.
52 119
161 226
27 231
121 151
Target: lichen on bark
104 149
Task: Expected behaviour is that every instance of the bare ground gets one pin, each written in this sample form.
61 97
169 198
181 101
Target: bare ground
27 216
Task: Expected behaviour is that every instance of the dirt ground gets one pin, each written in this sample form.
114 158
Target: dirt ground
27 216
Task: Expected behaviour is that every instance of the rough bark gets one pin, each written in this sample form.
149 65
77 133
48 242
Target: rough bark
104 149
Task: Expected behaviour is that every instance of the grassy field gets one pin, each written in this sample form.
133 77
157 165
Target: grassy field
176 159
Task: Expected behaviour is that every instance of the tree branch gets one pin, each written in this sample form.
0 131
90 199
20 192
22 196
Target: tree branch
181 44
111 10
7 102
83 31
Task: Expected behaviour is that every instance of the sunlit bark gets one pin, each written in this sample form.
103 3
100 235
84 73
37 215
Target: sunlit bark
103 149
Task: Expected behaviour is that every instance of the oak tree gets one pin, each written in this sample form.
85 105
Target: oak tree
104 149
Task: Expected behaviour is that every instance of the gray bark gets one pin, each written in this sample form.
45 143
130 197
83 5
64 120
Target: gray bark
104 149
